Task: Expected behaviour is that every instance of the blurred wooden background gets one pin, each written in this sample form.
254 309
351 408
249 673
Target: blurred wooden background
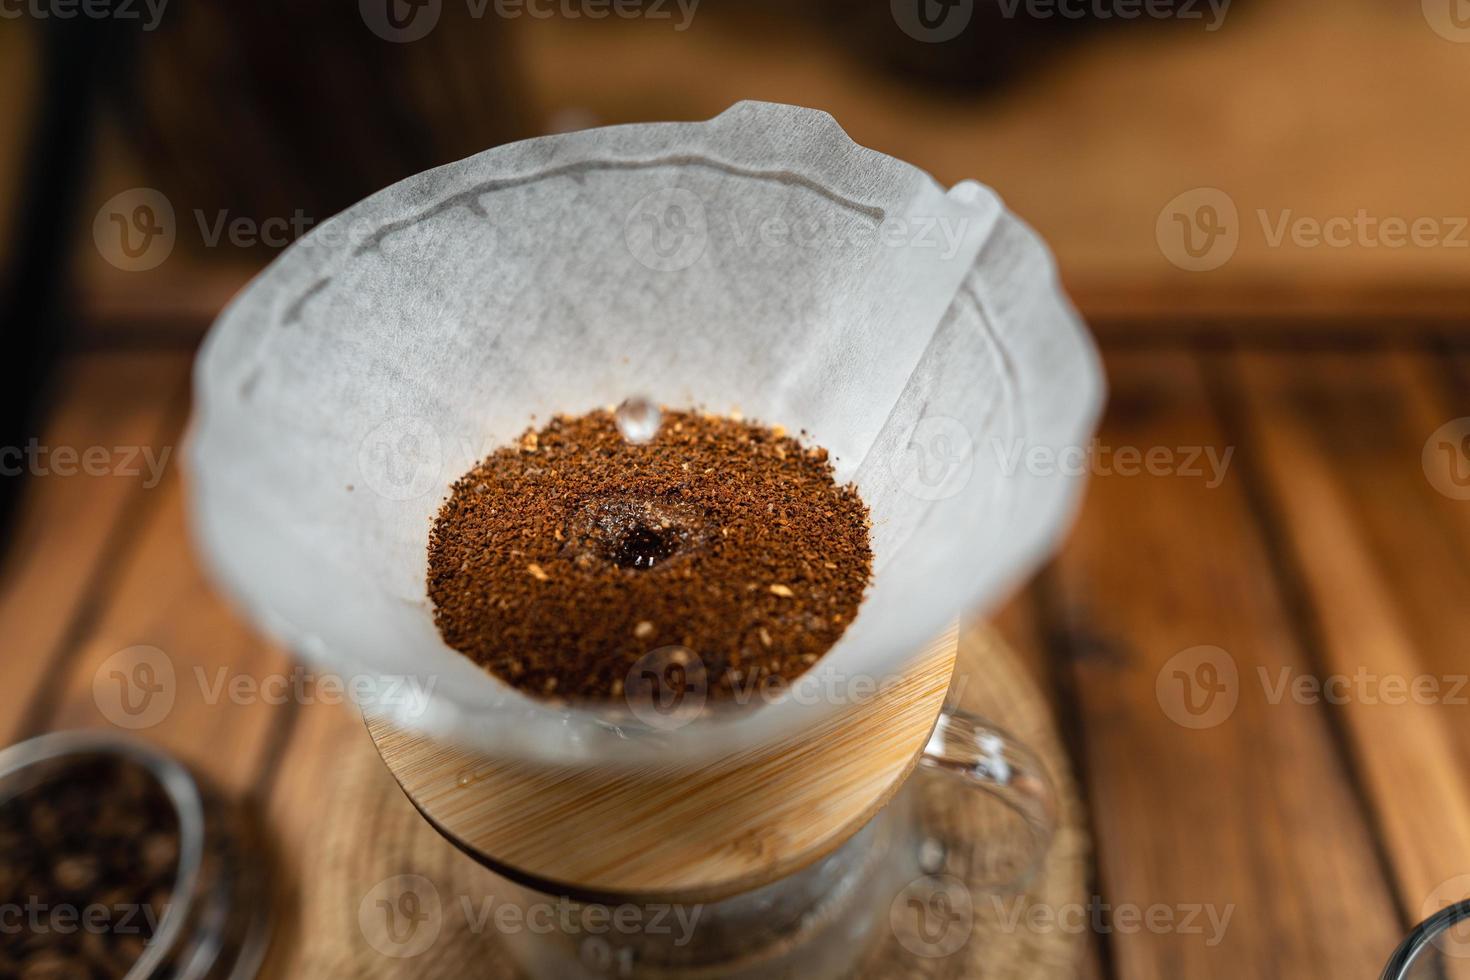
1294 106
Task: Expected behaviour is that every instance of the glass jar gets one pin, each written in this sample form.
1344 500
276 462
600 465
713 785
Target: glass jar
1437 949
215 919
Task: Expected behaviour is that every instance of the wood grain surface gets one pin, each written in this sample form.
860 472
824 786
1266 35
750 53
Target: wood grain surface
727 826
74 530
1341 442
381 837
1203 789
1316 819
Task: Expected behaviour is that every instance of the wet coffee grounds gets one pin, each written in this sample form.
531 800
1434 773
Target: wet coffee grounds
563 563
87 864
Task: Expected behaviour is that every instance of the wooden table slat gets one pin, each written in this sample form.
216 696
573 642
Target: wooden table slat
67 525
1319 828
228 693
1020 624
1339 439
1251 813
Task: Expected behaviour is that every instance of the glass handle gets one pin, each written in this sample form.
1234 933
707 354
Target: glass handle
966 747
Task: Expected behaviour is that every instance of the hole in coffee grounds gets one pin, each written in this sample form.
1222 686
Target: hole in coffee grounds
641 546
635 532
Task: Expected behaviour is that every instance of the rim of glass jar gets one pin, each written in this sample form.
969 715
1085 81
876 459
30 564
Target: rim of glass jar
1425 933
183 793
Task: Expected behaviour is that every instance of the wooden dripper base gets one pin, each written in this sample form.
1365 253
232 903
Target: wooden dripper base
738 823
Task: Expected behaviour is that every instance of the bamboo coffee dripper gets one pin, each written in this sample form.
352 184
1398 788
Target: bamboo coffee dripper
740 822
335 397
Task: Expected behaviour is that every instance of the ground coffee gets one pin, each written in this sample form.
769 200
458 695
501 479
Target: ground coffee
564 562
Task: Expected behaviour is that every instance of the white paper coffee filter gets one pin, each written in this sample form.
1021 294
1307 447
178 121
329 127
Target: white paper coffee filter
759 261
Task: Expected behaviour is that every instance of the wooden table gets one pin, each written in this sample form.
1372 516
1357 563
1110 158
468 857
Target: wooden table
1321 825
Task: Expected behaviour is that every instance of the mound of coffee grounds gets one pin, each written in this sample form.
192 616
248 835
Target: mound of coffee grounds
88 859
563 561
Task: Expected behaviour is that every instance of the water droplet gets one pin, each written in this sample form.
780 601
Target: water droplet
931 855
638 420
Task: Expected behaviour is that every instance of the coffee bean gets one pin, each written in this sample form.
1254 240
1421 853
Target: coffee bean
90 832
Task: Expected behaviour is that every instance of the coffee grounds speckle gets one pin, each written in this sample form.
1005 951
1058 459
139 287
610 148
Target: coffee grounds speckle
559 562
